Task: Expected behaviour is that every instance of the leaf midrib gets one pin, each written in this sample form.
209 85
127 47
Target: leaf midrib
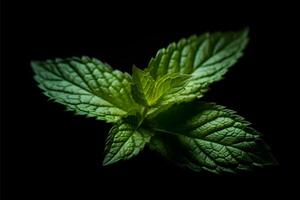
191 136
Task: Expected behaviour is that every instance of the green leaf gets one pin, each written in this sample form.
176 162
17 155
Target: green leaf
206 58
86 86
124 142
142 87
147 91
205 136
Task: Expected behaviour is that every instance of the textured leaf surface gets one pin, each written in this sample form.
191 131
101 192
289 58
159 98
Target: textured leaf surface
148 91
203 136
206 57
86 86
143 86
124 142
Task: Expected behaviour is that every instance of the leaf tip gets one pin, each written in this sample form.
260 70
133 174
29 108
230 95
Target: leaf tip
136 70
107 161
245 32
246 29
34 63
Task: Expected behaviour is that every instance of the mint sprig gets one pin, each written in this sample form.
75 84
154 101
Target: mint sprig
158 106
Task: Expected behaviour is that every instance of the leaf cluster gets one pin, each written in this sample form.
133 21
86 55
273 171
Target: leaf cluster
158 106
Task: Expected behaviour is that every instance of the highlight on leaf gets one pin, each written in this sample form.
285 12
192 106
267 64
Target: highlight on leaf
148 91
158 106
87 86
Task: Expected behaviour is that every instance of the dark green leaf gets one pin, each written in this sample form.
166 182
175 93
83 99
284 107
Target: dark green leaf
205 136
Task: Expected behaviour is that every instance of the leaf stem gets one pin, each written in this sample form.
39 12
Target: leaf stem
143 115
165 131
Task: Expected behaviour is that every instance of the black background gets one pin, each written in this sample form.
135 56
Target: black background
50 152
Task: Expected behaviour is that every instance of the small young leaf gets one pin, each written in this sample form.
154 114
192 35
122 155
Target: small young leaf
86 86
147 91
205 136
124 142
142 87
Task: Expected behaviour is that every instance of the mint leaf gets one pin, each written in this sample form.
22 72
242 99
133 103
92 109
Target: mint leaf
87 86
206 57
205 136
148 92
124 142
143 86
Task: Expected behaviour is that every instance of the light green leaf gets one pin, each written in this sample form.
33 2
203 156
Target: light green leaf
142 87
205 136
148 92
124 142
86 86
206 58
